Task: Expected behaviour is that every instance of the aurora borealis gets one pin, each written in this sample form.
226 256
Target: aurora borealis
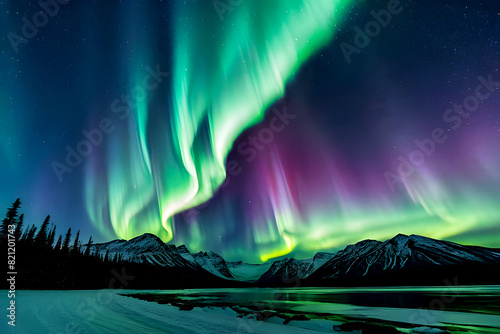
242 129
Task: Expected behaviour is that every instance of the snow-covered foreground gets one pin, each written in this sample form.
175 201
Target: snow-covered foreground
104 311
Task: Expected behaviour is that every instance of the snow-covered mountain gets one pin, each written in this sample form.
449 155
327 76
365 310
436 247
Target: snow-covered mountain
184 252
370 257
148 248
363 259
286 270
317 261
213 263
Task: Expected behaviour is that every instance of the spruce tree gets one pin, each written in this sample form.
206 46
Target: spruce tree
30 238
51 237
89 244
58 243
19 228
26 232
41 237
11 216
67 240
76 247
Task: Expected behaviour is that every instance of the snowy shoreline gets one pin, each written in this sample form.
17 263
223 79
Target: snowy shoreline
104 311
117 311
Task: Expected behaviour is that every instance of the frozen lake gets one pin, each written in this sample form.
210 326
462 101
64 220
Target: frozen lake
466 309
474 309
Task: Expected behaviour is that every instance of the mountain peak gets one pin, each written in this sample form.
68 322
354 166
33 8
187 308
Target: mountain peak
400 252
182 249
287 268
213 263
400 240
146 236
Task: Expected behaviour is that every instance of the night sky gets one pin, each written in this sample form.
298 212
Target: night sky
253 128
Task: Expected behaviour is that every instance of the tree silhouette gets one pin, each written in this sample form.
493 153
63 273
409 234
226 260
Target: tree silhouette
76 247
41 237
51 236
58 243
19 227
30 236
47 268
89 244
11 216
67 240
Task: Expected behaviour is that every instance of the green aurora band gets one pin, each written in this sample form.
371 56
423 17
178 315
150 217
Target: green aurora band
226 73
169 154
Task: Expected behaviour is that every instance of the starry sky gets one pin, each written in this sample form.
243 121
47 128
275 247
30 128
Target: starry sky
252 128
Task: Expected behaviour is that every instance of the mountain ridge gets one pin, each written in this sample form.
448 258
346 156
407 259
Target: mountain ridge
362 260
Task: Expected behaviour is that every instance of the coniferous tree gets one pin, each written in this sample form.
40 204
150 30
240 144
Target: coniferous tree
58 243
19 227
11 216
76 247
25 233
67 240
51 237
30 238
41 237
89 244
